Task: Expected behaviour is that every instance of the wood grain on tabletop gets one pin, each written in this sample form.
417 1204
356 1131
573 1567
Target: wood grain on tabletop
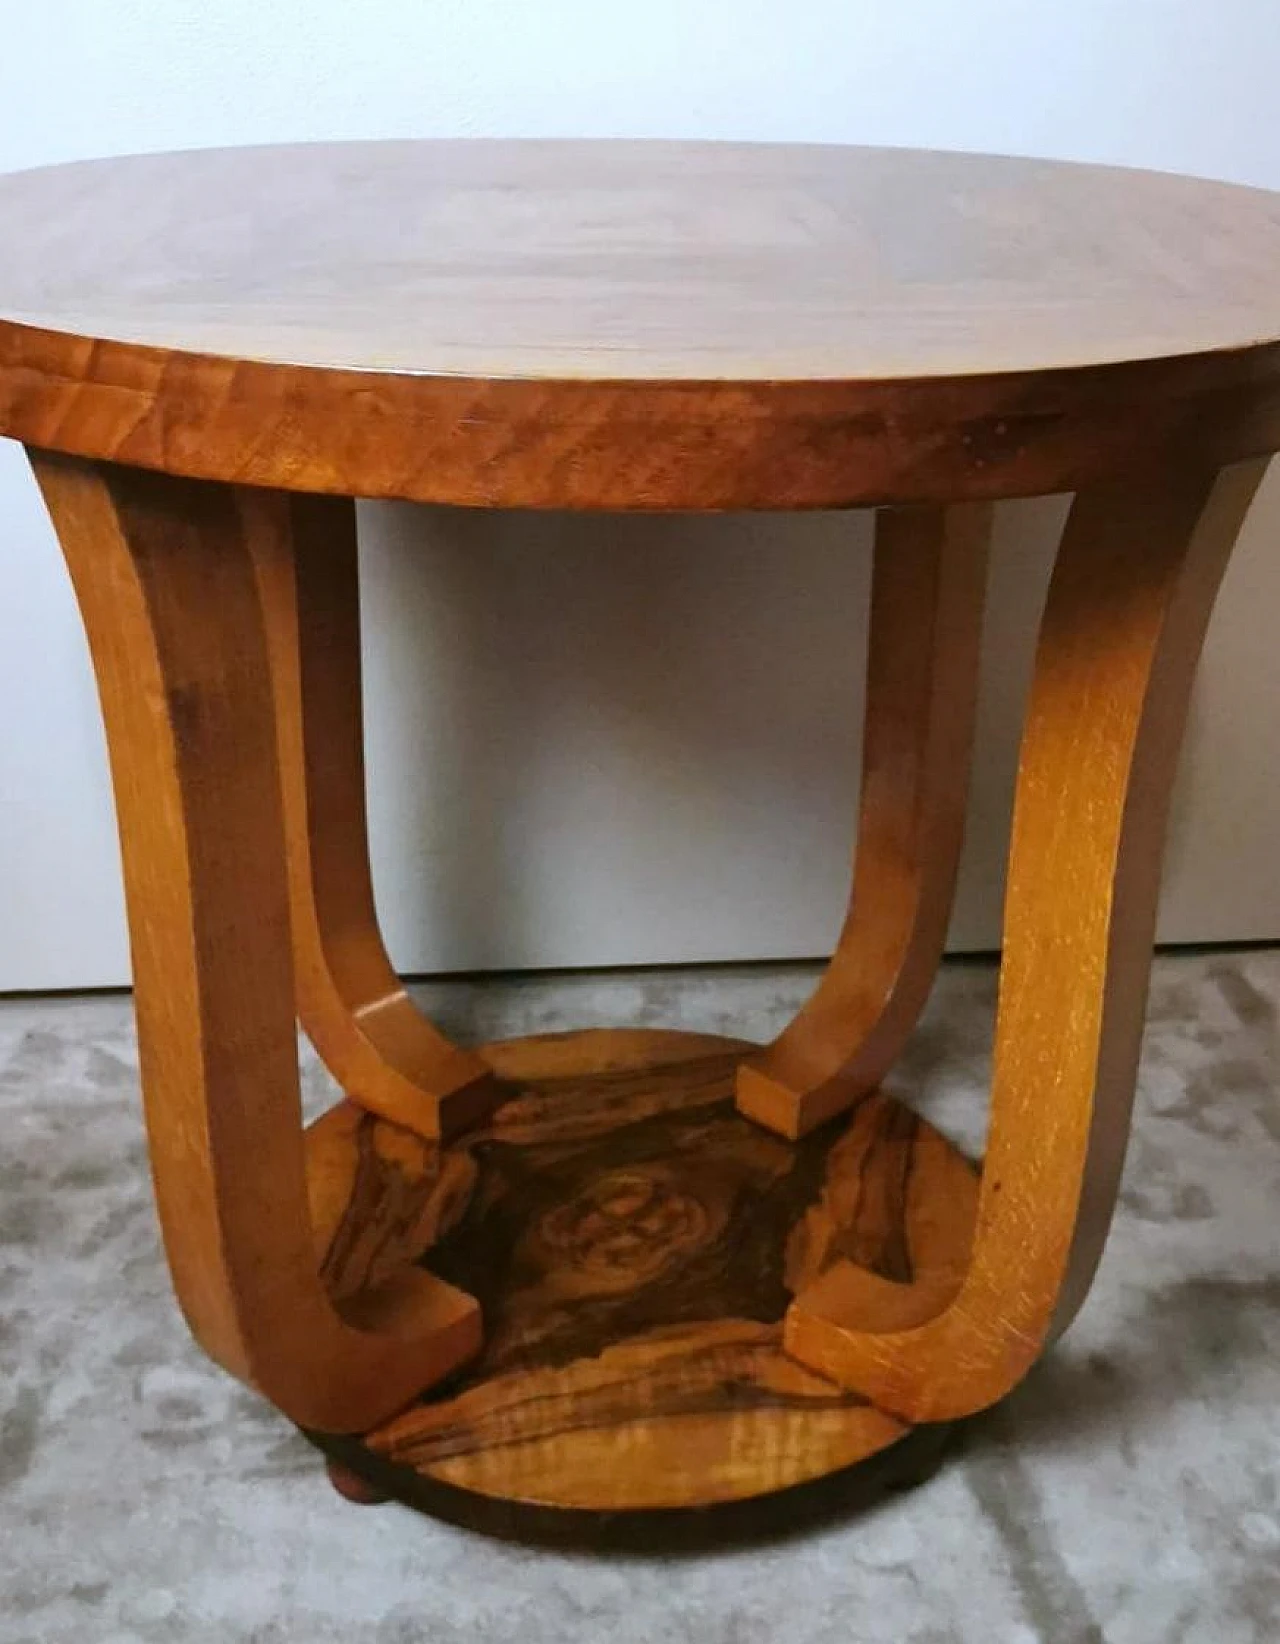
636 325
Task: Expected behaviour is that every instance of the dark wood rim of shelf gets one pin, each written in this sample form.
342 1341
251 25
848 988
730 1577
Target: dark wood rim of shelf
668 1531
642 445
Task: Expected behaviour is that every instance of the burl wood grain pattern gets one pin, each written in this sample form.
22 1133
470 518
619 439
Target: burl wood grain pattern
167 589
927 597
1128 605
351 1003
637 325
634 1242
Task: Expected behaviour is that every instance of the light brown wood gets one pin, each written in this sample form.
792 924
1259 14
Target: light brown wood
352 1005
928 592
637 325
167 590
634 1242
1128 605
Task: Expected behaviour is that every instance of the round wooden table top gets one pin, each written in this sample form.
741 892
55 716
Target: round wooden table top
644 325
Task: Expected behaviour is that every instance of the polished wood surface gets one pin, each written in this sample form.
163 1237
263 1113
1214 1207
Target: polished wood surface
636 325
634 1242
351 1003
927 596
1128 605
681 1306
167 590
680 261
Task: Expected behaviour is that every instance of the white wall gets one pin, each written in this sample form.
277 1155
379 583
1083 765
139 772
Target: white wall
582 748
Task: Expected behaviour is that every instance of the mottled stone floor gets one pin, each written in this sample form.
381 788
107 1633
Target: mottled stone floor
1128 1494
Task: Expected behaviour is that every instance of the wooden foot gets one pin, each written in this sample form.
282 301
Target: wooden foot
352 1005
351 1487
634 1243
1127 609
922 670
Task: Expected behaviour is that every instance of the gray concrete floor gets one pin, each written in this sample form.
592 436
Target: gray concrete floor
1129 1493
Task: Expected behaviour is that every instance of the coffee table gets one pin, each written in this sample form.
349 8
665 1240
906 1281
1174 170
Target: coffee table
576 1281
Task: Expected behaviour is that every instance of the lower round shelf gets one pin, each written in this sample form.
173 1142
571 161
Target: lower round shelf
633 1242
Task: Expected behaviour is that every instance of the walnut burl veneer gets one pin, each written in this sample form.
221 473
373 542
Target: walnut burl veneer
546 1283
633 1242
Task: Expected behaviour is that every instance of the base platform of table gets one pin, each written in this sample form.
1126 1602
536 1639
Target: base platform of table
634 1243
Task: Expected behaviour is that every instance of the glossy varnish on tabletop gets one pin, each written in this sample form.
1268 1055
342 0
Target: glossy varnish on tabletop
636 324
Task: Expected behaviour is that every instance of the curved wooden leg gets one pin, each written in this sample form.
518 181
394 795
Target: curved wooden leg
352 1005
922 671
1127 610
167 591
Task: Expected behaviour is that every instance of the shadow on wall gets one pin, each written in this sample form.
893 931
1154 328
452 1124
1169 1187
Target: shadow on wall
617 739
